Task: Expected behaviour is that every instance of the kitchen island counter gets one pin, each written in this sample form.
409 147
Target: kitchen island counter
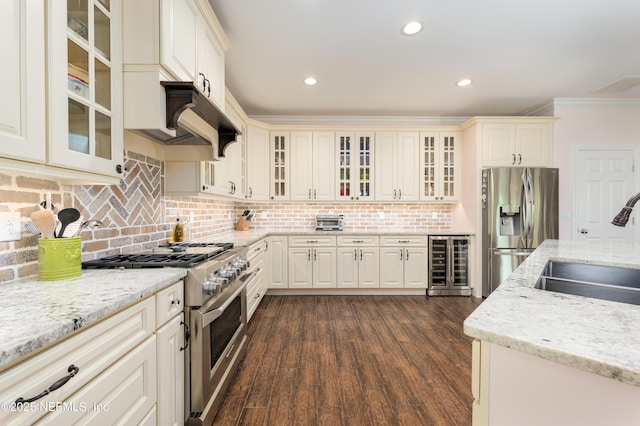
592 335
35 314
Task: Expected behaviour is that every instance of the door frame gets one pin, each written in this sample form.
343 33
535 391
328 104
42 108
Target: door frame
636 179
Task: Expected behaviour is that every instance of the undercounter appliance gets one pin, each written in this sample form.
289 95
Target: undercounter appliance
519 211
329 222
215 310
449 265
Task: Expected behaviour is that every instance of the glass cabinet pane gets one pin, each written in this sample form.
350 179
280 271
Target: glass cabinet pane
105 3
102 32
78 17
78 70
78 127
103 136
103 84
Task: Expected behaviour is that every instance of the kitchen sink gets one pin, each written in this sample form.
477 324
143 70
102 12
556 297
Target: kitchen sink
594 281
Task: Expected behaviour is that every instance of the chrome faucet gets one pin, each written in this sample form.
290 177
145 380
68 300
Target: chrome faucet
622 218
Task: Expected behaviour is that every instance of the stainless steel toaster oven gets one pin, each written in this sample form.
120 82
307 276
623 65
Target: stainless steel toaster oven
329 222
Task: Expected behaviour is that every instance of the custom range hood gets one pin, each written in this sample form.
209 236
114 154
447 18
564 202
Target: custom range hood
194 118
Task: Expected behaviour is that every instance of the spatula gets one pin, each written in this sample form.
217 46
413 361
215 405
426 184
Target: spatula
67 216
45 221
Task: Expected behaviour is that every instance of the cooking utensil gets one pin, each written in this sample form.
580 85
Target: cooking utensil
73 228
44 205
45 222
66 216
29 226
88 224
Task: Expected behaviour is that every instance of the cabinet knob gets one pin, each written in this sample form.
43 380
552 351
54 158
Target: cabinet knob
120 169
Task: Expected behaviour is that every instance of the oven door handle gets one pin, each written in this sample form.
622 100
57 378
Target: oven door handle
209 316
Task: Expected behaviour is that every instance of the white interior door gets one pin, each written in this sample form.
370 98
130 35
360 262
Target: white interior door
604 182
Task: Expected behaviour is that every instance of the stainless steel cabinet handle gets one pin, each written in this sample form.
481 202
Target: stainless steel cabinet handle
395 193
355 254
407 255
315 194
361 255
399 194
309 255
309 193
315 255
250 192
513 159
519 158
401 253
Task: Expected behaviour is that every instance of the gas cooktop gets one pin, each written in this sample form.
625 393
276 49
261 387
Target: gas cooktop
179 255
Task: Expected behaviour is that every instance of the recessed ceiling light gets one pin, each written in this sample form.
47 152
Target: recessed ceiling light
310 81
464 82
412 28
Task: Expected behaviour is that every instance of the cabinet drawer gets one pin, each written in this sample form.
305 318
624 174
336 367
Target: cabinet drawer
403 240
256 249
92 351
169 303
358 240
258 266
123 394
312 240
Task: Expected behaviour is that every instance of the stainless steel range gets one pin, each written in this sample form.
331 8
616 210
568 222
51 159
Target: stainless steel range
215 313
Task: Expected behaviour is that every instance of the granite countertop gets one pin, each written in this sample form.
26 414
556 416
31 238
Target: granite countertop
593 335
35 313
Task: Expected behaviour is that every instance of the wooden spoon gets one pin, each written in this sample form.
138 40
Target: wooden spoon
45 221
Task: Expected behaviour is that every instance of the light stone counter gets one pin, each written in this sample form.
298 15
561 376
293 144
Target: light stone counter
35 313
593 335
245 238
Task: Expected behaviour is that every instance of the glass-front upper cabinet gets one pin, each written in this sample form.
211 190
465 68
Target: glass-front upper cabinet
355 166
279 169
439 165
85 85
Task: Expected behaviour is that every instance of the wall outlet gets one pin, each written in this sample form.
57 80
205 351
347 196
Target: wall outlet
9 226
263 215
434 215
380 215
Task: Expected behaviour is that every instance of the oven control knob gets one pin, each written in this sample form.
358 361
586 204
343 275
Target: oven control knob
228 274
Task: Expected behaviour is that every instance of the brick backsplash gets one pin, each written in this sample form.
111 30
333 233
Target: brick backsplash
137 216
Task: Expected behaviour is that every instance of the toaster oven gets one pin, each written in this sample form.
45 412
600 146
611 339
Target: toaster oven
329 222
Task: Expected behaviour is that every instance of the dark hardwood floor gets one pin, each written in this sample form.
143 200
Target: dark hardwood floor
354 360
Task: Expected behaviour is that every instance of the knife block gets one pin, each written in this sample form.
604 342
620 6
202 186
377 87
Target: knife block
242 224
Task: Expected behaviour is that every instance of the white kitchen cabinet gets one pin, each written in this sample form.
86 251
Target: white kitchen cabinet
279 154
178 37
122 394
517 144
440 166
312 166
312 262
257 150
257 285
354 166
403 262
397 166
22 79
234 165
210 63
84 88
358 260
170 354
197 178
277 262
92 351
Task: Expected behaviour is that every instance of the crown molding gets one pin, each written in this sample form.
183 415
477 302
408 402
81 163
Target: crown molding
597 101
369 121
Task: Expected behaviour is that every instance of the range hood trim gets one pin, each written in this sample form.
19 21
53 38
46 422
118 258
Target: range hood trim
182 95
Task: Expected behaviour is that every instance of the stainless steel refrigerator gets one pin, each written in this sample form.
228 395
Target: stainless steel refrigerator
519 211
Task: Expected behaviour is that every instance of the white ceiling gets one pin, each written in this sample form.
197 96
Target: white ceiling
520 54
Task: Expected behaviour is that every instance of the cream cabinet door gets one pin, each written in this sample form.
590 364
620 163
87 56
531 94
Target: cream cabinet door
301 179
277 260
385 180
415 267
323 166
210 64
122 394
391 267
517 144
347 267
178 48
324 267
533 145
257 168
368 267
300 267
85 86
170 341
499 144
22 81
407 166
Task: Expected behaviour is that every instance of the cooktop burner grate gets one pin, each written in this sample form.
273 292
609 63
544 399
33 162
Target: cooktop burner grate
150 260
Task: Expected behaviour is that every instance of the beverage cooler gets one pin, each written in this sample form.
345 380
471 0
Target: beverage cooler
449 265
